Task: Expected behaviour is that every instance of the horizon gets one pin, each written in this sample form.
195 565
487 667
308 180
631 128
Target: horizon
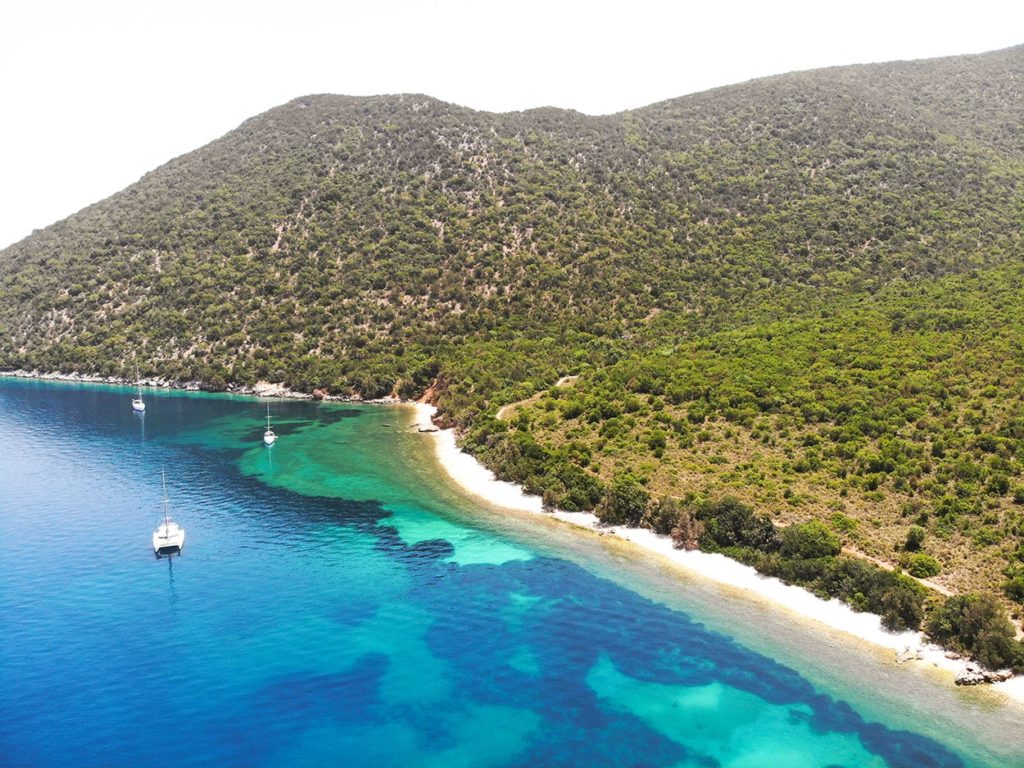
145 86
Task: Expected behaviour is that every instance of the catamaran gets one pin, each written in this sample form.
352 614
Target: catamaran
169 537
137 405
269 437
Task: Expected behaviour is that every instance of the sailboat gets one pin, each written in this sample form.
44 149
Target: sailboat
169 537
269 437
137 405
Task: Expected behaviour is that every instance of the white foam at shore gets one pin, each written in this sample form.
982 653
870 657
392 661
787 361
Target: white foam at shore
475 478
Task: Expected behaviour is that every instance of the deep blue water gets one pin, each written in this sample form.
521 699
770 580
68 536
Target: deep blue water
332 608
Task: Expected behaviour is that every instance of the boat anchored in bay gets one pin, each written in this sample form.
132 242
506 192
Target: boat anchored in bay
137 404
269 437
169 537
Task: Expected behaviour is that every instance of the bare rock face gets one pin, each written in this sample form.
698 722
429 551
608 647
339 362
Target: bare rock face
267 389
270 389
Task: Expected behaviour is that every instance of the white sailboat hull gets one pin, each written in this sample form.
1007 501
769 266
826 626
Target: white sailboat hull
137 405
168 537
269 437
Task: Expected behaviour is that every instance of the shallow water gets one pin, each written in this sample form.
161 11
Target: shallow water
338 603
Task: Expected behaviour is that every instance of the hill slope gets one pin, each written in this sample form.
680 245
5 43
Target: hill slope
804 290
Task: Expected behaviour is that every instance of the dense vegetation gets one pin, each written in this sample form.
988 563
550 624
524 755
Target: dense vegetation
895 417
803 293
809 555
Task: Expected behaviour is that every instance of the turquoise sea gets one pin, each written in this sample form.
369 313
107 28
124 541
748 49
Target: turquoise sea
340 602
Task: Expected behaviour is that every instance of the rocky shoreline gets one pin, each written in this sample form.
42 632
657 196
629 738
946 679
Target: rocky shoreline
259 389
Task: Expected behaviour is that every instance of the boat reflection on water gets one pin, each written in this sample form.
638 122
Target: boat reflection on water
173 595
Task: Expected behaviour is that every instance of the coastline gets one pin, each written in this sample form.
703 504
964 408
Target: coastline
259 389
474 478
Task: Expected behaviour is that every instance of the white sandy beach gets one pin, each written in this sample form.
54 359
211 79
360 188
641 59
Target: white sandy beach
476 479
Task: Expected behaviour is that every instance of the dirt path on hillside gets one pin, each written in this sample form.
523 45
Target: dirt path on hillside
890 567
505 410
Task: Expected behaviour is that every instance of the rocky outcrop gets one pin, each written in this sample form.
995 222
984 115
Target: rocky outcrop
268 389
973 674
909 654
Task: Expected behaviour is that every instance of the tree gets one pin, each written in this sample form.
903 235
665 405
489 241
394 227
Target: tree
902 607
729 522
624 503
678 520
977 625
663 515
687 532
809 540
915 539
997 649
1014 588
923 566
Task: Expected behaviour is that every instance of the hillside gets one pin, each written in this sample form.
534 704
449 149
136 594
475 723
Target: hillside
804 291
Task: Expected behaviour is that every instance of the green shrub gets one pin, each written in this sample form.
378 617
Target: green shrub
1014 588
977 625
843 523
579 490
663 515
672 517
729 522
902 607
915 539
987 535
809 540
923 566
624 503
897 599
996 649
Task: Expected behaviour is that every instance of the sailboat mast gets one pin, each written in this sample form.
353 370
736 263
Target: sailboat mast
163 480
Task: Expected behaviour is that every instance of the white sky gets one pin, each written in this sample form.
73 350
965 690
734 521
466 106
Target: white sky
95 93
